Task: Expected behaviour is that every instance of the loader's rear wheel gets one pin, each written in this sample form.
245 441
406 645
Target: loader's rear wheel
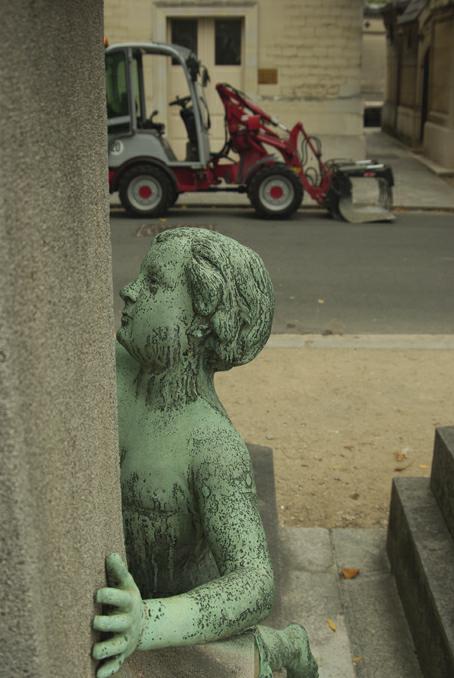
145 191
275 192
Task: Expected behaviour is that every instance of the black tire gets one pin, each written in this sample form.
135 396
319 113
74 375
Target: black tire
282 206
174 198
156 187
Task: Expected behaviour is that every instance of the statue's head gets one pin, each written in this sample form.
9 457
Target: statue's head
198 293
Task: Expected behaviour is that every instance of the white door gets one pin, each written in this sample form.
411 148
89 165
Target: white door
219 44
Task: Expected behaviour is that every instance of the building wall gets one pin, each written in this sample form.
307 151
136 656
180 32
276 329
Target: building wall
373 73
59 473
314 45
411 46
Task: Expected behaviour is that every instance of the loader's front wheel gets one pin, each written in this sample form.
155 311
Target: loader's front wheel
145 191
275 192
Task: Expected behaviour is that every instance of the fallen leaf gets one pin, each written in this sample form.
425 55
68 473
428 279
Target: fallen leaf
332 624
423 466
357 659
348 447
321 301
349 572
400 456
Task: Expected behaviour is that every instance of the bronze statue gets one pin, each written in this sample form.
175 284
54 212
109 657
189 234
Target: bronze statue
199 567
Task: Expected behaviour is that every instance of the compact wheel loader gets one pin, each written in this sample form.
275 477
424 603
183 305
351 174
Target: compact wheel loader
261 157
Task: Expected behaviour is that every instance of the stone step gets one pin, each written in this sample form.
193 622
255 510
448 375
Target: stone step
421 552
442 476
263 465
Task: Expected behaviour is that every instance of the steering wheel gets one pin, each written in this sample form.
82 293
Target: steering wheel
183 101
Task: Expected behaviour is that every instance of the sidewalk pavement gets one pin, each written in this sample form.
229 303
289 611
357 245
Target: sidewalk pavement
356 626
416 186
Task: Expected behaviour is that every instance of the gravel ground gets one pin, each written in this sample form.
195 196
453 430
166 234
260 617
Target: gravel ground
342 423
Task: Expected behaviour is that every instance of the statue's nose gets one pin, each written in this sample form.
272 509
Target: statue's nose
129 292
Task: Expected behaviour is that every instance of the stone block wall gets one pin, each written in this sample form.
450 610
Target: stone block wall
420 95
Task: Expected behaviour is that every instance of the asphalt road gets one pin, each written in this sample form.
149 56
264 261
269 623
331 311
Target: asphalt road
329 276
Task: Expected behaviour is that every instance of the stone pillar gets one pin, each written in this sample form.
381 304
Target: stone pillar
59 498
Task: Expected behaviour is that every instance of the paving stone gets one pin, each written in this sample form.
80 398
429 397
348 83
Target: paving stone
378 631
332 651
308 549
364 548
310 599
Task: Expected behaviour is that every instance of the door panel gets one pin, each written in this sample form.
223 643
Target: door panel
225 52
220 48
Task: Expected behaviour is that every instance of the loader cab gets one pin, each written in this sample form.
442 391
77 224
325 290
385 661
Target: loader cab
137 133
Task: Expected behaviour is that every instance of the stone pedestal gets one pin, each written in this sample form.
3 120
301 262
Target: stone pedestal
233 658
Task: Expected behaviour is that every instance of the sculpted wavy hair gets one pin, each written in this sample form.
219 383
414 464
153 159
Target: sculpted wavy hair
232 295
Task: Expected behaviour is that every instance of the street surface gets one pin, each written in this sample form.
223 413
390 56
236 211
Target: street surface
329 276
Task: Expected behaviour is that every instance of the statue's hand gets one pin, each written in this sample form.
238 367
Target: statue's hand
125 623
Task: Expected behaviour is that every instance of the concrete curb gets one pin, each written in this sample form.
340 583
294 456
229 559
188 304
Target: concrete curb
306 208
405 342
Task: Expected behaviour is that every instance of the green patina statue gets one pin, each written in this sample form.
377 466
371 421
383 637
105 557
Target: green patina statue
199 567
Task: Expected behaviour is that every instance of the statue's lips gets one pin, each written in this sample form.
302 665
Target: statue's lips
125 318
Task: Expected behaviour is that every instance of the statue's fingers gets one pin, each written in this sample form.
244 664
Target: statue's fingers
117 572
112 623
110 667
110 648
109 596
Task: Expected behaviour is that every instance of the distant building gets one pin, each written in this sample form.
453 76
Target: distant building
300 59
373 67
419 106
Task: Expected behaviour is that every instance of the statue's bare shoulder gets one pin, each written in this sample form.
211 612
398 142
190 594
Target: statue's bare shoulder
215 443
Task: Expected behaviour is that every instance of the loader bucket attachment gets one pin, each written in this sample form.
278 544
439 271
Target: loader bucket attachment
361 192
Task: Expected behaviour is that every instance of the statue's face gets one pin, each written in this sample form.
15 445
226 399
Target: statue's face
158 307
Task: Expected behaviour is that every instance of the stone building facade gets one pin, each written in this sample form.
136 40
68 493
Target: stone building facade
419 105
300 59
373 80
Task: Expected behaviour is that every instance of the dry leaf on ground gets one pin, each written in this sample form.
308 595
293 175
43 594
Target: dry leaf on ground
332 624
349 572
400 456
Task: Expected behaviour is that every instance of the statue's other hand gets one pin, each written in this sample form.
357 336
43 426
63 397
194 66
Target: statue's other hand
125 622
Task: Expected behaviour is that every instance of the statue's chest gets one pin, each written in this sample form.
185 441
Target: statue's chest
155 469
